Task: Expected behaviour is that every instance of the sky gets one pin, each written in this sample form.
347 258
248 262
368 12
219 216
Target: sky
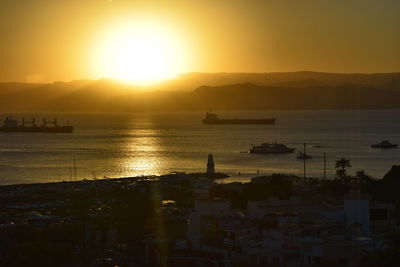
62 40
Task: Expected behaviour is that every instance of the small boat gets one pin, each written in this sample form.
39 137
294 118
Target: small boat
384 144
301 155
271 148
317 146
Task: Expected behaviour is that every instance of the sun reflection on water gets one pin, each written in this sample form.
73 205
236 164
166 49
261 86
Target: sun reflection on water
144 148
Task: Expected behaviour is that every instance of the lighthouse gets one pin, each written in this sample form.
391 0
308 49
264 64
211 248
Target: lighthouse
210 165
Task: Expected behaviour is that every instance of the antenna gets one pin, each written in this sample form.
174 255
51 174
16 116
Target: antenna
324 165
75 167
304 162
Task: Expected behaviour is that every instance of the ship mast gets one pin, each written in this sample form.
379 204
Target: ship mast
304 161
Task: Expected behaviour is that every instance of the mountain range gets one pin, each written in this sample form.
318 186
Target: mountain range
204 91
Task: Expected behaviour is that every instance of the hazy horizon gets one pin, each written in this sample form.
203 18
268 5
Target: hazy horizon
179 75
202 91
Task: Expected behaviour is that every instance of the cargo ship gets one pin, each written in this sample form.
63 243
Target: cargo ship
212 118
13 126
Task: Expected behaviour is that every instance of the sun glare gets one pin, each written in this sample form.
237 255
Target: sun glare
139 52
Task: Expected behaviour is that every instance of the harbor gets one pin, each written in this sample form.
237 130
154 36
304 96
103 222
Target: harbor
124 145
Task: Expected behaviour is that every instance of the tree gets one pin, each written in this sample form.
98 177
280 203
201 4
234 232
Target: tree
362 177
341 165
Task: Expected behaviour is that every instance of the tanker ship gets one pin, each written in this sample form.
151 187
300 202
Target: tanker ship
212 118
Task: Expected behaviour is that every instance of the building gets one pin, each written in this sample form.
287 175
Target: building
356 208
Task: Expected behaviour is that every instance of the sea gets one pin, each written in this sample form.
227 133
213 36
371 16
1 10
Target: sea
114 145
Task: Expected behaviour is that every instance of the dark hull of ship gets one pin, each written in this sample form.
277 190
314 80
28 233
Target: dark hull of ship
304 157
239 121
58 129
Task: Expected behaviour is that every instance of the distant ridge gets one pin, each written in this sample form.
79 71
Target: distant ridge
275 78
200 91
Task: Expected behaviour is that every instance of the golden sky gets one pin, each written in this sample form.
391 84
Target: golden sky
48 40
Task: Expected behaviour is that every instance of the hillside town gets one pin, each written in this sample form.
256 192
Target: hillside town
183 219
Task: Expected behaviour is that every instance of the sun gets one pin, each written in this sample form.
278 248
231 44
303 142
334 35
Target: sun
140 52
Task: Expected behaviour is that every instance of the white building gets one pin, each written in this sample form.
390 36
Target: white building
356 208
204 217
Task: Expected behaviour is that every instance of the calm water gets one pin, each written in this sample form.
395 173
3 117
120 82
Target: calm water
117 145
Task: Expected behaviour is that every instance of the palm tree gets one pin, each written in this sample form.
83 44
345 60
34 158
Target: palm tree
340 167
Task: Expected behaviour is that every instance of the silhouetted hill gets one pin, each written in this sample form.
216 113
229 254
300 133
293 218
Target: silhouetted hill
250 96
199 91
60 96
295 79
